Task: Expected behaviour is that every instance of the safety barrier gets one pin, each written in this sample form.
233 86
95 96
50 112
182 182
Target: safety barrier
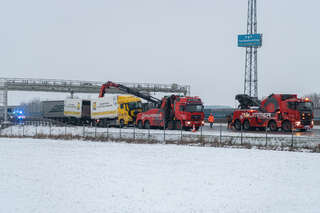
219 138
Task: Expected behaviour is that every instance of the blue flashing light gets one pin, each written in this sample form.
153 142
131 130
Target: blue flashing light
21 117
18 114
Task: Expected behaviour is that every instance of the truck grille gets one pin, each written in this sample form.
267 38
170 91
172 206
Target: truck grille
306 118
195 117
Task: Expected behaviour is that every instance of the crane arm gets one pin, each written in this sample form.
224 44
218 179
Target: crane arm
127 90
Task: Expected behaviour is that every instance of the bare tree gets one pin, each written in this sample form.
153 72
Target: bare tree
32 108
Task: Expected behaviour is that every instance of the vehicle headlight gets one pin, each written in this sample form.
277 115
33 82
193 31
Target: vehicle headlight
188 122
298 123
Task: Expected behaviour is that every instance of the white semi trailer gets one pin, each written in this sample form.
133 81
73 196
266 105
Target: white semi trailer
78 111
115 110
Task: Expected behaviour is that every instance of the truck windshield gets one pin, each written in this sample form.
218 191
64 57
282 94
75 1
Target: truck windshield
304 106
194 108
135 105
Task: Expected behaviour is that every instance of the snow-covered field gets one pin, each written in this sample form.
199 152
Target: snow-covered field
42 175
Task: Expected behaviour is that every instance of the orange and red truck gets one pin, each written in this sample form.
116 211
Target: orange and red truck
277 111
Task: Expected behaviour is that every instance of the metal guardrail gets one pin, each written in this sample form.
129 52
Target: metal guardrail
219 139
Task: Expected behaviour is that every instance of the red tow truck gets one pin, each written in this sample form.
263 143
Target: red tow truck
285 111
172 112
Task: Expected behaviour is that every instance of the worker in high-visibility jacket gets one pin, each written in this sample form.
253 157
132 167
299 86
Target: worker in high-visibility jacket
211 119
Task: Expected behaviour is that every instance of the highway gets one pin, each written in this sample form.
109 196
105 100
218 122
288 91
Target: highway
216 127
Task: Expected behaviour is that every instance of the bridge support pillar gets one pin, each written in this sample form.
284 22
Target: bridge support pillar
5 103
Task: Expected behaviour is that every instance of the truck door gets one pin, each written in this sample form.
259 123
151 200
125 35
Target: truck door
86 111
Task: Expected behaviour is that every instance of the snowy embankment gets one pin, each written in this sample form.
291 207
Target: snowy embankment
210 137
42 175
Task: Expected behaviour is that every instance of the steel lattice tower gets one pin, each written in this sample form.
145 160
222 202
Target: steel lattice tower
251 69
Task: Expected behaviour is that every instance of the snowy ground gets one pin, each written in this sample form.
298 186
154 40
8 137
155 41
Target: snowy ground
75 176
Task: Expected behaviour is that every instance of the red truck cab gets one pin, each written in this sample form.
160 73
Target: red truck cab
175 112
296 113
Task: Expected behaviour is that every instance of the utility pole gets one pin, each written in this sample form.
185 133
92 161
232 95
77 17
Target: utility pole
251 41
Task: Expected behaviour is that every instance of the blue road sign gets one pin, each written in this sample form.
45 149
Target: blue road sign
250 40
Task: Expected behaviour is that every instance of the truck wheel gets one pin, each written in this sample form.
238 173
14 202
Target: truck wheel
140 126
237 125
121 123
272 126
105 123
262 128
246 125
178 125
286 126
171 125
147 125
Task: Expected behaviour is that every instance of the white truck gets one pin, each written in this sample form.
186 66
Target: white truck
115 110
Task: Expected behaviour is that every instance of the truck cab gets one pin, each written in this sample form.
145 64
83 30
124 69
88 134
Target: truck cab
174 112
189 113
298 112
128 108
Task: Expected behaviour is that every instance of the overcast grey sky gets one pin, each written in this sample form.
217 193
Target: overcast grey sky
162 41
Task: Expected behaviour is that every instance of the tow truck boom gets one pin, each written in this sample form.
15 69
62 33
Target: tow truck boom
128 90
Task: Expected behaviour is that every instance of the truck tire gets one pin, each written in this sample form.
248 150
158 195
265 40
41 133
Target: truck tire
121 125
246 125
261 128
272 126
286 126
237 125
140 126
171 125
178 125
147 125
